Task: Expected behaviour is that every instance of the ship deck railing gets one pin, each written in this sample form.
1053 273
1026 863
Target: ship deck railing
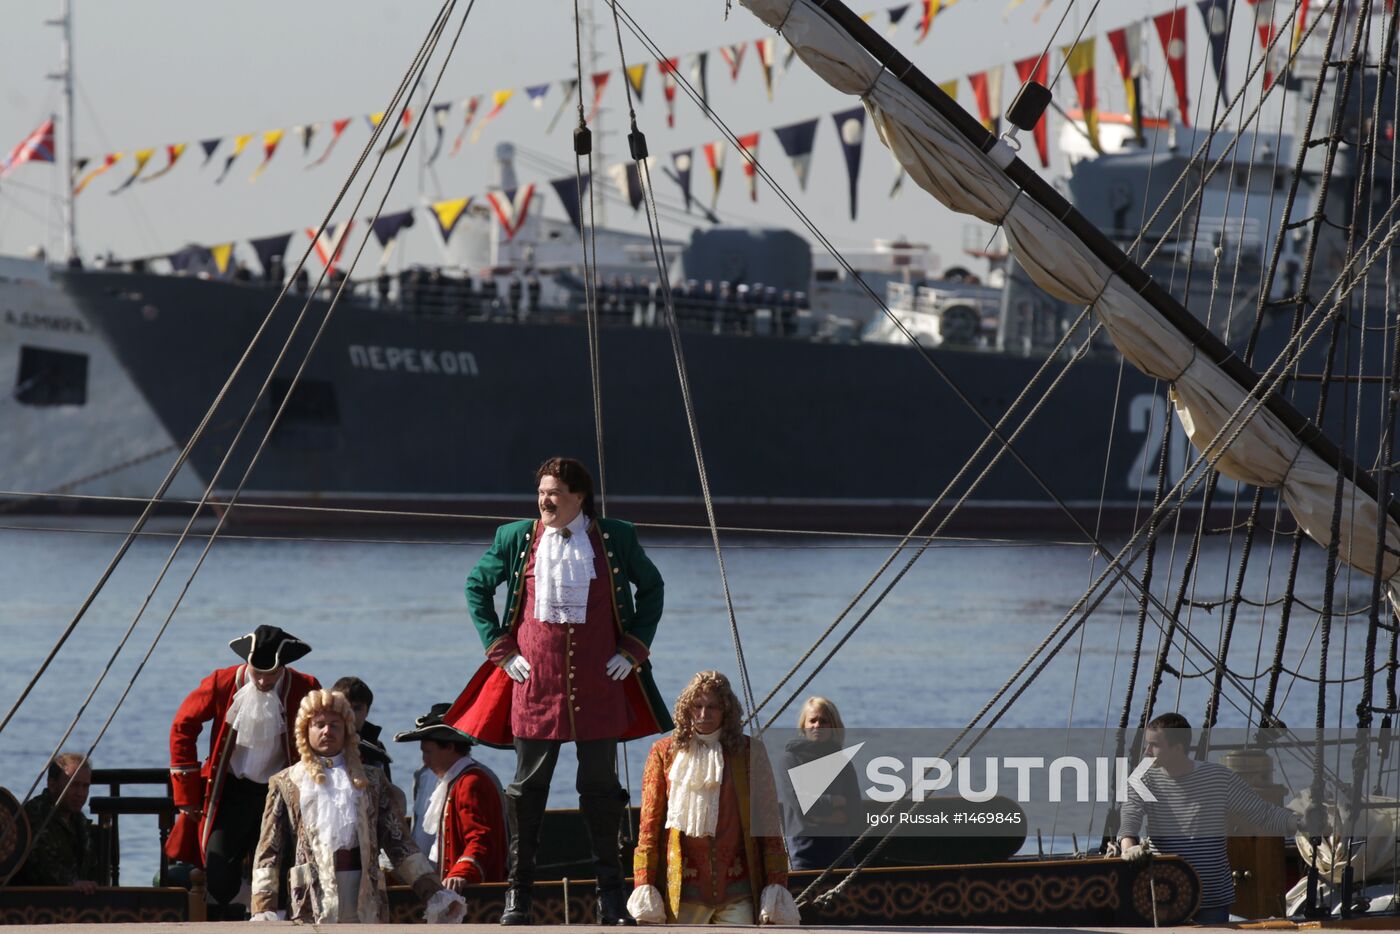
110 808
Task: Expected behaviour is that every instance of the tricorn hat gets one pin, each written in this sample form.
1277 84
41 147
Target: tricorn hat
430 726
268 647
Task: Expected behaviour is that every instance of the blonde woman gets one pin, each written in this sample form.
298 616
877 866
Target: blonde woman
697 859
819 838
337 814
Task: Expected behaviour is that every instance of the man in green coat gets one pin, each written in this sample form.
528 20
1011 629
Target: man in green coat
567 662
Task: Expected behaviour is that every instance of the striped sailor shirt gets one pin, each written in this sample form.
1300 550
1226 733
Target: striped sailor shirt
1190 819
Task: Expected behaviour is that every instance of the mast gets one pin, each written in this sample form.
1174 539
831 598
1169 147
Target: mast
65 76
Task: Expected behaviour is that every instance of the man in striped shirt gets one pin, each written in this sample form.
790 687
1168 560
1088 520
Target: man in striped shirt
1195 803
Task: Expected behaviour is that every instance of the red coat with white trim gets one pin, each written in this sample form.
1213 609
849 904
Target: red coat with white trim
193 785
472 837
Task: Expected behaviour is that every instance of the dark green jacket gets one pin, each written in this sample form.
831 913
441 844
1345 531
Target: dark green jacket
64 853
629 566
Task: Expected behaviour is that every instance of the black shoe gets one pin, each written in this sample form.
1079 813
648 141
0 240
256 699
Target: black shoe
612 909
233 911
517 910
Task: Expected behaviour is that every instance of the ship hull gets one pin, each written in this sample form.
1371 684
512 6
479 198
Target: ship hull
444 414
73 422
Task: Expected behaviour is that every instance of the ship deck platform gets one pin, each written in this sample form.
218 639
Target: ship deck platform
214 927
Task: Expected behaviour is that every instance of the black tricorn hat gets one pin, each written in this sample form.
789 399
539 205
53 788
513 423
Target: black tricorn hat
430 726
268 647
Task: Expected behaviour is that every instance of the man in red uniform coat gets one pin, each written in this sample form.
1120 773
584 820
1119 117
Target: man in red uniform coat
465 818
253 708
567 663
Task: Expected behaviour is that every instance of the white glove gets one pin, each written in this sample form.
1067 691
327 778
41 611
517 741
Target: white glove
445 907
269 916
644 904
619 667
776 906
517 668
1137 853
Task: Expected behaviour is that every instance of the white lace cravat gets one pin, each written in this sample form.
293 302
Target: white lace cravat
692 806
563 571
258 720
432 815
330 808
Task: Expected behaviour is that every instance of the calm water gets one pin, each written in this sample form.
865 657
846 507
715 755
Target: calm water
950 633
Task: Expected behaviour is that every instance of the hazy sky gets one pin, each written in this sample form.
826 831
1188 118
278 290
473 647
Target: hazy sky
153 72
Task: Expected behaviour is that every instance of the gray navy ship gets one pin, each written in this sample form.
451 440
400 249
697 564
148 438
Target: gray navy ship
439 390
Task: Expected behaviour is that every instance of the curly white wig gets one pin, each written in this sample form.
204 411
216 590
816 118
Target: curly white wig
320 701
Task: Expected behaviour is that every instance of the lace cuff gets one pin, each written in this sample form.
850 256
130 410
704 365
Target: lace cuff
445 907
776 906
645 905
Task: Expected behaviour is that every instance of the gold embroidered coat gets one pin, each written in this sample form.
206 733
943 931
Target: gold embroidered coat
288 850
667 860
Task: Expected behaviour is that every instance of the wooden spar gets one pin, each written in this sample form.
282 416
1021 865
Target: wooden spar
1030 182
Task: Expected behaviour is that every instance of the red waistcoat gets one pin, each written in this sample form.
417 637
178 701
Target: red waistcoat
569 695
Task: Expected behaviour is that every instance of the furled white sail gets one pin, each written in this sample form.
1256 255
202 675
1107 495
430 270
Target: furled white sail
942 161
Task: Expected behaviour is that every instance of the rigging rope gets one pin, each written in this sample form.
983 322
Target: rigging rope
1212 713
1268 384
199 431
637 146
1387 448
1214 122
482 543
759 168
1204 150
1149 560
337 512
401 97
583 150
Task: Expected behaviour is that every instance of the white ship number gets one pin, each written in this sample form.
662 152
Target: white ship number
1145 414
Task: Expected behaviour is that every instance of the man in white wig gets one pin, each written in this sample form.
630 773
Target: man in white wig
697 860
326 820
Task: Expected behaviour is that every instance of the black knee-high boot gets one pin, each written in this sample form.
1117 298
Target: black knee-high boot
526 816
602 816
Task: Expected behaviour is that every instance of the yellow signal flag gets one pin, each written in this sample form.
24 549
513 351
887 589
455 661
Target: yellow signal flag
270 140
110 160
1079 61
240 143
448 213
498 103
173 153
636 74
931 8
142 156
223 255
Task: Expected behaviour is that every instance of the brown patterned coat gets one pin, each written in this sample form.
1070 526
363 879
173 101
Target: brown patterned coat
288 849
